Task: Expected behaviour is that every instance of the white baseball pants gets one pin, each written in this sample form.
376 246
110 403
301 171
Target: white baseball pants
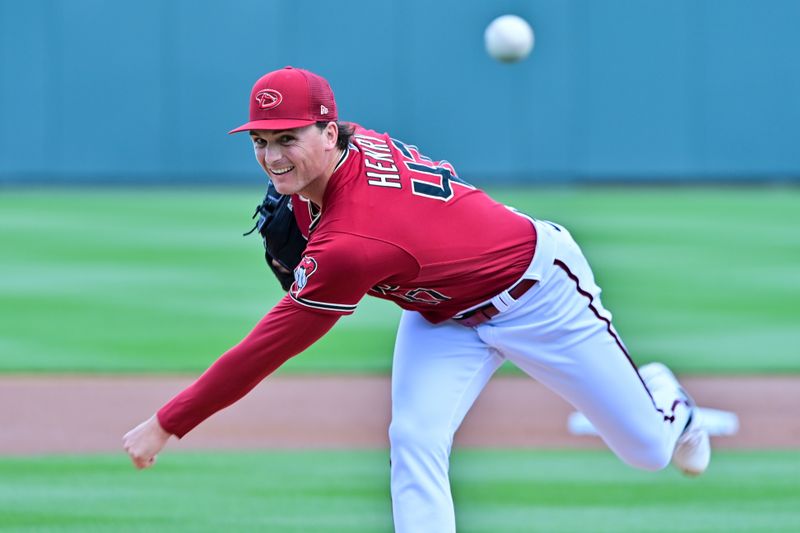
558 333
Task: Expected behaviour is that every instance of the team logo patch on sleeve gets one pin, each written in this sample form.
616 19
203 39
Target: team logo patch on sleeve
302 272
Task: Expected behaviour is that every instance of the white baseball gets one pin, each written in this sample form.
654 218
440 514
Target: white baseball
509 38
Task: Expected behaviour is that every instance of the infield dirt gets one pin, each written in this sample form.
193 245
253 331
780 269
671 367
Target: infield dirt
69 414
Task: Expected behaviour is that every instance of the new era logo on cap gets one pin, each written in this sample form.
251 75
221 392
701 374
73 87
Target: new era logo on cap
289 98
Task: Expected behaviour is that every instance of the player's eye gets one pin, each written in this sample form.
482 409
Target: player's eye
286 139
258 141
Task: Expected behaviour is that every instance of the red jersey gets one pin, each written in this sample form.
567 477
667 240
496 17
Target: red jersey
397 225
393 224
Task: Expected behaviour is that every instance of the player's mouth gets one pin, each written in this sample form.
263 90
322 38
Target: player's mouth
280 171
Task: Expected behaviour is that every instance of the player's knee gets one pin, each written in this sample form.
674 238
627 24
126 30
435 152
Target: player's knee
647 454
405 434
649 461
408 435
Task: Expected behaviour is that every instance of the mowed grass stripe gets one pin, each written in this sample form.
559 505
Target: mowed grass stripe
140 280
336 491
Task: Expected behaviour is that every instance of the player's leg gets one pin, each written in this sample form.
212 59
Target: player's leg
438 372
562 336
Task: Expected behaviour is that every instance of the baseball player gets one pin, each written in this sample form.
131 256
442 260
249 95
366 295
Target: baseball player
479 283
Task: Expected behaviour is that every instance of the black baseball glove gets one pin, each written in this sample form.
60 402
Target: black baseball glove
283 242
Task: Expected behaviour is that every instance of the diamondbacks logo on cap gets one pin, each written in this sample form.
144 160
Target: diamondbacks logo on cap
268 98
302 272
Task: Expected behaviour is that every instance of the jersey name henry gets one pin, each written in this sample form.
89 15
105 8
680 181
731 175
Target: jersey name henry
381 170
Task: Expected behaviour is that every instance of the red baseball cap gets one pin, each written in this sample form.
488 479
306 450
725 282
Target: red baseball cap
289 98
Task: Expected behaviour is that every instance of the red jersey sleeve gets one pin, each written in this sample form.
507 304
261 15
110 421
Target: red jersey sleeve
339 268
284 332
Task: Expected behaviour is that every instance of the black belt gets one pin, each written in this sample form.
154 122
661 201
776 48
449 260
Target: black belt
489 311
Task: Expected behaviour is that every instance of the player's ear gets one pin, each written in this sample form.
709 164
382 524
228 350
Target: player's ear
331 134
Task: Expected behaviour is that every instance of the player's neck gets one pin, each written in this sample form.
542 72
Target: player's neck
315 191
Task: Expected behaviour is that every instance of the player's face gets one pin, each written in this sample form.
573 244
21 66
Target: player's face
295 159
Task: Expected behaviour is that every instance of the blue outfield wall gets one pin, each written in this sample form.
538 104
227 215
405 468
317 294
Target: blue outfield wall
102 90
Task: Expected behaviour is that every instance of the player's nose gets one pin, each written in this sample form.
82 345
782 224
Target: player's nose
273 155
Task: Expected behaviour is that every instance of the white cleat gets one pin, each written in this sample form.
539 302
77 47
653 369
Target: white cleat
693 449
692 452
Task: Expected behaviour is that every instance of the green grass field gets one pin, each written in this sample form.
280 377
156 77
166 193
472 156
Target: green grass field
160 280
313 491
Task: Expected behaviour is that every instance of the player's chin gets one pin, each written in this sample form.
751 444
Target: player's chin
282 186
280 182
